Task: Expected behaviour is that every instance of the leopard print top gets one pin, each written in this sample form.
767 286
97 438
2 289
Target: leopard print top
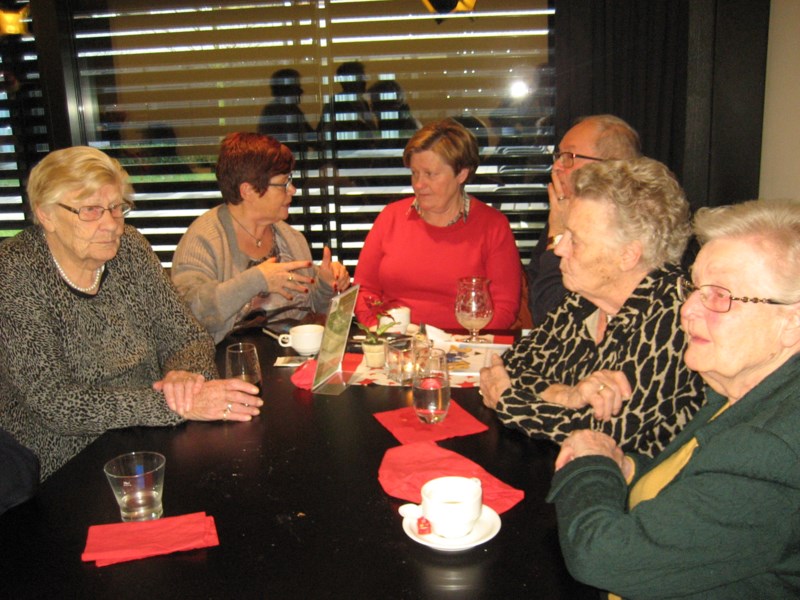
73 365
643 340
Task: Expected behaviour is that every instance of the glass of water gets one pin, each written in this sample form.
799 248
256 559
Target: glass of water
137 480
431 387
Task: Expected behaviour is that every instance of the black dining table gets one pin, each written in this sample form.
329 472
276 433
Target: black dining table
298 509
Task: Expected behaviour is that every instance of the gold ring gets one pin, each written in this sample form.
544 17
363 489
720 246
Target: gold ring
562 197
291 277
229 408
225 414
601 388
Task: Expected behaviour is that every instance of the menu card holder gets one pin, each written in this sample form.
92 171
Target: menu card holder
328 377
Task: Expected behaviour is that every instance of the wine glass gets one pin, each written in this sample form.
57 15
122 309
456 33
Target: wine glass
241 362
474 308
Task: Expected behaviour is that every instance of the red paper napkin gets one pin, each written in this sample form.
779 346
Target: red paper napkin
303 376
405 469
119 542
403 424
503 339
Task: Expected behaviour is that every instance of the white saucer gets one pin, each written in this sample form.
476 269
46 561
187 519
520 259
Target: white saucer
486 527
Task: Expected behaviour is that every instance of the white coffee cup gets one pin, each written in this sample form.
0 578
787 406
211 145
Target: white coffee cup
304 339
401 316
452 505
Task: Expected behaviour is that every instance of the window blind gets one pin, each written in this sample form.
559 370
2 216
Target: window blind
162 81
23 128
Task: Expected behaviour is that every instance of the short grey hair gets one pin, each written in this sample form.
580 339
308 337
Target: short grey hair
80 170
649 205
616 140
771 226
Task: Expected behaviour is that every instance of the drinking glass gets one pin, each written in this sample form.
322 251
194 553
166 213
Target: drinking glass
474 308
241 362
137 480
431 387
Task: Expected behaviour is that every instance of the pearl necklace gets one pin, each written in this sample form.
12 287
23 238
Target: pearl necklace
98 273
257 239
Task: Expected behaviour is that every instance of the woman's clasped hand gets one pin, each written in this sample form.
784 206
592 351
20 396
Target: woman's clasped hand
194 398
282 279
586 442
604 390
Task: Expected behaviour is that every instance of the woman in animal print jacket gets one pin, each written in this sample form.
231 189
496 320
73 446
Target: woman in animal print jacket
92 334
610 356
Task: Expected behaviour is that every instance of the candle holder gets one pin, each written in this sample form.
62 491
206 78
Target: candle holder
400 359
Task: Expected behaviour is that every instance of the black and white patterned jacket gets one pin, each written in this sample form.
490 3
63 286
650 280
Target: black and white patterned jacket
643 339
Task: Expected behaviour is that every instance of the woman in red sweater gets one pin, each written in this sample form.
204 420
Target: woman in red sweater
419 247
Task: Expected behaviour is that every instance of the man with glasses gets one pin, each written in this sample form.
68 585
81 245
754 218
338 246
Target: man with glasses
591 139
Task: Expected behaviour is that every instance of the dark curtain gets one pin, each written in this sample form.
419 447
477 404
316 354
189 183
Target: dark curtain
688 75
627 58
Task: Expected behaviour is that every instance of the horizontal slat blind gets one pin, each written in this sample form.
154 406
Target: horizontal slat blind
23 128
162 81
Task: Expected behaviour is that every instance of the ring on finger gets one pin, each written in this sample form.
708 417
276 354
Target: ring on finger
562 197
225 414
601 388
291 277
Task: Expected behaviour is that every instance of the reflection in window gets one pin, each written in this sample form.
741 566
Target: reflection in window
345 84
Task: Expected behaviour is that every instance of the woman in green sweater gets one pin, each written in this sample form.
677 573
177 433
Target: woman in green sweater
715 515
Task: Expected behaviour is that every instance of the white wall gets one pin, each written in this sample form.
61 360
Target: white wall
780 152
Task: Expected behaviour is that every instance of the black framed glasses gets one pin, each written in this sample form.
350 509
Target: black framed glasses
285 186
95 213
716 298
568 158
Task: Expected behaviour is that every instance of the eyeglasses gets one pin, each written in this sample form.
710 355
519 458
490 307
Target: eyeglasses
95 213
568 158
285 186
715 298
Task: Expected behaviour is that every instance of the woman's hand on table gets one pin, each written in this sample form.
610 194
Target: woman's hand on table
282 279
179 389
494 381
604 391
225 399
333 273
586 442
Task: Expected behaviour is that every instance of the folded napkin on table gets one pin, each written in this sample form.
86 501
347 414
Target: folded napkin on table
437 335
405 469
119 542
403 424
303 376
441 336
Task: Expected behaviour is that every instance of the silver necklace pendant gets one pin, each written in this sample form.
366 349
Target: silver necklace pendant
257 240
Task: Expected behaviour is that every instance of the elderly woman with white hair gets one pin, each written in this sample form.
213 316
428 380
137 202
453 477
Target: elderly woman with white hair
609 357
92 334
715 515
